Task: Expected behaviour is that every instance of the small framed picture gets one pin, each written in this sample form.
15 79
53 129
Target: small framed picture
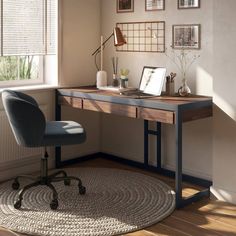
154 5
125 6
186 36
187 4
152 80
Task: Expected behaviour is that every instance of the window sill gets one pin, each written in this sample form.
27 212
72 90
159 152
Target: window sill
31 87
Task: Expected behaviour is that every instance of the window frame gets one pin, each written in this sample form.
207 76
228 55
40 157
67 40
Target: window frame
43 70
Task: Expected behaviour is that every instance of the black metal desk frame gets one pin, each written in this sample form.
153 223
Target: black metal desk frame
177 174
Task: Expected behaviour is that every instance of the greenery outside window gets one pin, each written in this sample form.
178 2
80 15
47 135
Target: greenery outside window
21 69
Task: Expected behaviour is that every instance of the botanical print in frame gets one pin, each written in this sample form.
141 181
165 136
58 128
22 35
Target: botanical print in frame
154 5
152 80
187 4
186 36
125 6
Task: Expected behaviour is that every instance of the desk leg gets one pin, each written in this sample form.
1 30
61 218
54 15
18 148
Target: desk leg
158 148
180 201
58 118
178 174
157 133
146 153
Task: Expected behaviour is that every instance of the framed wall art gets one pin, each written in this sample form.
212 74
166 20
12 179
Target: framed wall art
186 36
123 6
188 4
154 5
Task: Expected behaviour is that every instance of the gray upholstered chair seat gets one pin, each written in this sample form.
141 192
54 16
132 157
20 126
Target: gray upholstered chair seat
58 133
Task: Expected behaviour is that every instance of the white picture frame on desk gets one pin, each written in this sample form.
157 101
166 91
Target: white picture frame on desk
152 80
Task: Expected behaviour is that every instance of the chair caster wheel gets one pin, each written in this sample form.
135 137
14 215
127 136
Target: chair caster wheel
82 190
17 204
67 182
54 204
15 185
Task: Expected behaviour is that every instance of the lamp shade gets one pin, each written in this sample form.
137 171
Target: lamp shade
118 37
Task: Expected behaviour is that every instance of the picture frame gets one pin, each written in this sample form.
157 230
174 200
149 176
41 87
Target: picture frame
123 6
154 5
152 80
187 36
188 4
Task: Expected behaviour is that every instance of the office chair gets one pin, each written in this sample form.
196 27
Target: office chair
31 129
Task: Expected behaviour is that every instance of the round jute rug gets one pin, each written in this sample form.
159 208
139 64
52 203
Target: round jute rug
116 202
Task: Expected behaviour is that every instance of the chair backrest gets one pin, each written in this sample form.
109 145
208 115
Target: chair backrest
26 119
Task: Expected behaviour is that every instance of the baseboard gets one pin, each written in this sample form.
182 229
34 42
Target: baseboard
29 165
79 159
169 173
19 163
197 174
166 172
223 194
190 172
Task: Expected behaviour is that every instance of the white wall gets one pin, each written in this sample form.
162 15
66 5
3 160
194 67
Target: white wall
224 162
123 136
136 61
80 33
80 30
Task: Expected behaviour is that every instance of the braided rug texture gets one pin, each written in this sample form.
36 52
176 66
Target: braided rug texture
116 202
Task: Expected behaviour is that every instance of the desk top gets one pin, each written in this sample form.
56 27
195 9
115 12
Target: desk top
171 103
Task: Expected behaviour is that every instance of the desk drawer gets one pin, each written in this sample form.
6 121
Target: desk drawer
200 113
70 101
156 115
111 108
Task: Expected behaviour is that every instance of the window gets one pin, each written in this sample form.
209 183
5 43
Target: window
28 35
17 68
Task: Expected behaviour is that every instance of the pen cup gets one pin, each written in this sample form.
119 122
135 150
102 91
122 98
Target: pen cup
170 88
124 83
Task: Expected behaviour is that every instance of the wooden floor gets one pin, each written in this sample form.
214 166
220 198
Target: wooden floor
204 218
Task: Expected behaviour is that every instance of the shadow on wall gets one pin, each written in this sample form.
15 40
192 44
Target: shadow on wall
225 126
204 86
225 107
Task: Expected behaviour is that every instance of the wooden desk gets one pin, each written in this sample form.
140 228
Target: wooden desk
170 110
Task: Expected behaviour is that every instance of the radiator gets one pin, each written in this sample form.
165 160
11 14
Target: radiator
11 154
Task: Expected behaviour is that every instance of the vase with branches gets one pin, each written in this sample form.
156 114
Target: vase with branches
183 60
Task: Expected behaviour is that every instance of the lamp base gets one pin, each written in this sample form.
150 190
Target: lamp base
101 79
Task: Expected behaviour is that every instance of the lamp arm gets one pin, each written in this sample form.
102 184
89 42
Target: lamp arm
97 50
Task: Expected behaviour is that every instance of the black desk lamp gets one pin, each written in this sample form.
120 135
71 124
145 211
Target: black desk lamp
118 41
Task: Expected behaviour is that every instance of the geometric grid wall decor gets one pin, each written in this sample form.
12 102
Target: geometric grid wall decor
146 36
